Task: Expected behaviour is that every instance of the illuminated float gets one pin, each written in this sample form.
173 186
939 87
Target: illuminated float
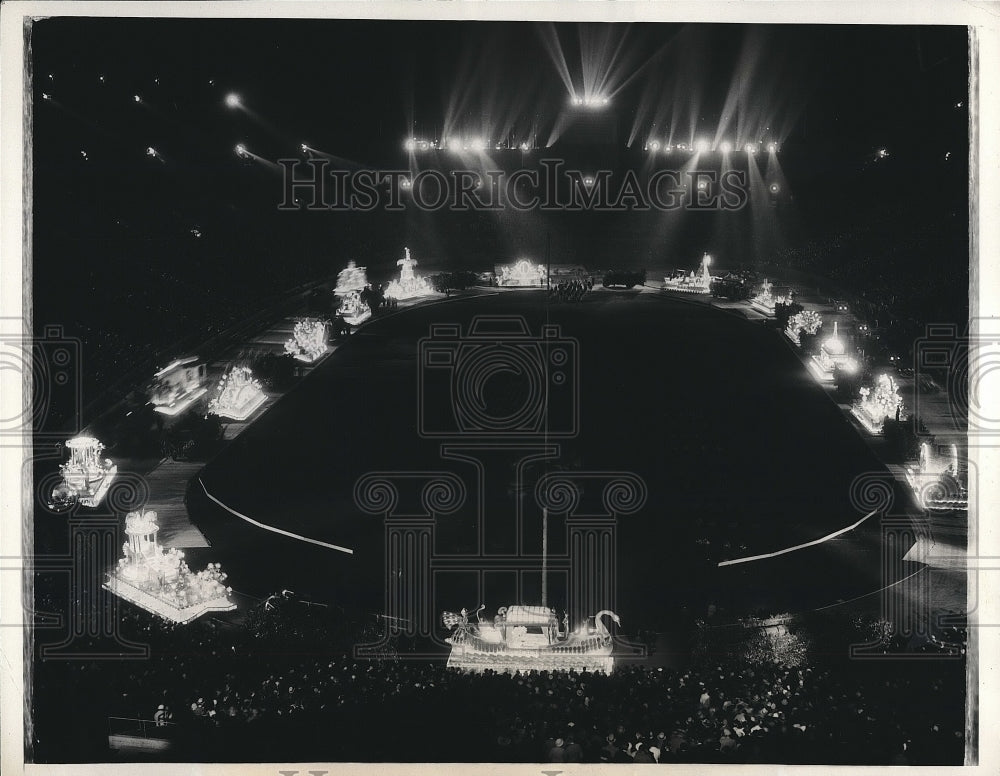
86 477
178 385
353 309
832 353
240 395
159 580
878 403
766 299
308 342
807 321
700 283
937 481
523 273
409 285
529 638
351 278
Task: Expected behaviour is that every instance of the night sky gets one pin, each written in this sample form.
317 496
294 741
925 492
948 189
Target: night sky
127 244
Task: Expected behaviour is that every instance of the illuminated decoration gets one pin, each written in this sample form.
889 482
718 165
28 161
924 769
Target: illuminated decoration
351 278
353 310
159 580
878 403
240 395
937 481
232 100
808 321
529 638
523 273
86 477
700 283
772 148
308 342
766 299
241 151
775 188
726 147
178 385
409 285
881 154
832 353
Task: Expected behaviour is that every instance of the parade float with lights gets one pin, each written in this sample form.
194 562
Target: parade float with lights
86 477
692 283
876 404
178 385
523 273
529 638
807 321
353 309
308 342
409 284
159 580
937 480
766 299
240 395
832 354
351 278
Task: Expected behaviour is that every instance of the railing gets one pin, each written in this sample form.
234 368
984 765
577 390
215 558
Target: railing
140 728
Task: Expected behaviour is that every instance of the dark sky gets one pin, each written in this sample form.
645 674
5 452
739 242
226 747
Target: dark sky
116 223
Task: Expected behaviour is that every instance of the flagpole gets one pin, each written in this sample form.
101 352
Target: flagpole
545 556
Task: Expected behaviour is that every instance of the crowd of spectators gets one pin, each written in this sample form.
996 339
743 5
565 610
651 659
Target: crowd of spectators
253 692
570 290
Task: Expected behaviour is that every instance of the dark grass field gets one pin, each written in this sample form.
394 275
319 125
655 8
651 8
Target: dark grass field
736 444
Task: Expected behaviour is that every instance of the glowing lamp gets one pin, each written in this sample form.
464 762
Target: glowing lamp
726 147
455 145
654 145
702 185
410 144
525 146
136 98
588 181
241 150
701 146
424 145
405 183
772 147
775 188
682 147
46 96
750 148
151 151
232 100
478 144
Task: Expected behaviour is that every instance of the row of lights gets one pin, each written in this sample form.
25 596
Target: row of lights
597 101
457 145
703 146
